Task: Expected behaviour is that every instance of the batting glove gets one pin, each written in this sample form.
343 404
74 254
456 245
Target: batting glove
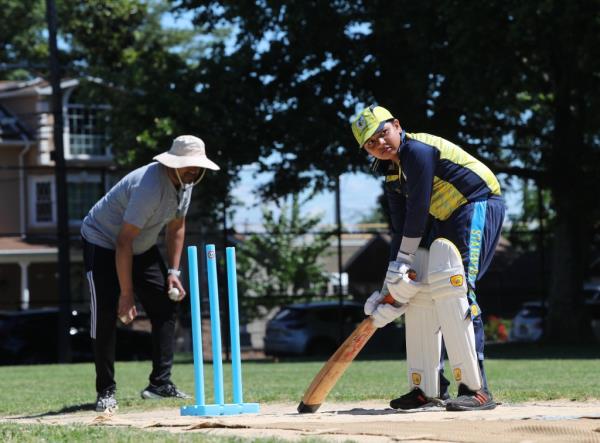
372 302
386 313
397 269
397 279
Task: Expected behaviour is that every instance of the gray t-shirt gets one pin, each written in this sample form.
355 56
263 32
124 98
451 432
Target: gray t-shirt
145 198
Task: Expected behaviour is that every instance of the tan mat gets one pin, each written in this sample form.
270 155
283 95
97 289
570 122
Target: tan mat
555 421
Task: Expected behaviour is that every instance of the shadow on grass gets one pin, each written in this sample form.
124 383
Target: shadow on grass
542 351
510 350
66 410
363 411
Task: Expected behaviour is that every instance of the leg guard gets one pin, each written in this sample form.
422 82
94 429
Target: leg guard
423 337
448 288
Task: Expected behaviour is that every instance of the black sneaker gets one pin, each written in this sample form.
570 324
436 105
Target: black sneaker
416 399
168 390
468 400
106 401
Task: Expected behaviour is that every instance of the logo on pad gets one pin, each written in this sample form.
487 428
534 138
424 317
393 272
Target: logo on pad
457 374
456 280
416 378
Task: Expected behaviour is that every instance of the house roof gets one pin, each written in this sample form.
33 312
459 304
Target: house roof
36 86
353 246
15 249
11 129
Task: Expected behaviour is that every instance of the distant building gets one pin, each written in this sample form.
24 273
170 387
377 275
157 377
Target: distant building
364 263
28 252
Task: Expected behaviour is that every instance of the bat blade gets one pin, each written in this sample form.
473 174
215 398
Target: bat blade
337 364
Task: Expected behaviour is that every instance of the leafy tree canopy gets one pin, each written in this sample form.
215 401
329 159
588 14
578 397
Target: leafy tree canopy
515 83
283 259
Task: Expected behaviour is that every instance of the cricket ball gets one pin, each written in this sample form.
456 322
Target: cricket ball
174 294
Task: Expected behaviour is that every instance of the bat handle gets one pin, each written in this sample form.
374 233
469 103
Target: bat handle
388 300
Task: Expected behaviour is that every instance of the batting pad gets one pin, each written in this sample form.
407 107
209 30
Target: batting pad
423 344
448 286
423 337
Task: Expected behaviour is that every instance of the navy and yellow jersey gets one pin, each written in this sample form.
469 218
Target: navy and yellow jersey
434 178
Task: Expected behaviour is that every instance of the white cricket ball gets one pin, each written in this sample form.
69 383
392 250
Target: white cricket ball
174 294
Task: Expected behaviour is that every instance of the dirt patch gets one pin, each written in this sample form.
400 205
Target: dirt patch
371 421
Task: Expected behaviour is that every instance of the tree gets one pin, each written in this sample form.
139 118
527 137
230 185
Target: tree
283 261
276 81
149 74
525 80
534 221
515 83
23 48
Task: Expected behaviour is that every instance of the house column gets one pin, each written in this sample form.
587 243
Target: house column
24 284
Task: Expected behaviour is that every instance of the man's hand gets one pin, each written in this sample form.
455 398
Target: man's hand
174 282
395 272
386 313
127 311
404 289
399 279
373 301
379 310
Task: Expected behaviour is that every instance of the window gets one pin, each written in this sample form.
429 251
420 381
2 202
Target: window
87 135
42 210
84 190
43 201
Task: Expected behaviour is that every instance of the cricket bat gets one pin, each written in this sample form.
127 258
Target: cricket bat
337 364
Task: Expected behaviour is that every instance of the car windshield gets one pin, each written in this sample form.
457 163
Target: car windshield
290 314
533 311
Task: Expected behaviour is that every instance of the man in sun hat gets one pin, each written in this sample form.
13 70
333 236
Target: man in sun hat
122 259
443 200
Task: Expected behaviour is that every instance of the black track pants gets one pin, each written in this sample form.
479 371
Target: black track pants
149 281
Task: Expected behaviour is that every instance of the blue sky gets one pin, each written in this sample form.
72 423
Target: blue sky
359 194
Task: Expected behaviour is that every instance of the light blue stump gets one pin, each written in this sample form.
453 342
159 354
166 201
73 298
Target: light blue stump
196 325
234 332
219 408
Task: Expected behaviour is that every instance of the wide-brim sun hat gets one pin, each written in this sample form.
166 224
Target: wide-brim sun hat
186 151
368 122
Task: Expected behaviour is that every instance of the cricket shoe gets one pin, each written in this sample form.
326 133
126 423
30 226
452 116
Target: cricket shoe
106 401
168 390
468 400
416 399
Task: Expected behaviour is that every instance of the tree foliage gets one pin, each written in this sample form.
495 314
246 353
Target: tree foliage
22 46
283 261
515 83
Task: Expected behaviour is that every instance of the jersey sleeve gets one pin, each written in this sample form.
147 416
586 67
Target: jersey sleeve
397 209
418 166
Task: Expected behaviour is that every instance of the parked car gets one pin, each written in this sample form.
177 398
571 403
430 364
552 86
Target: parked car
31 336
528 324
314 329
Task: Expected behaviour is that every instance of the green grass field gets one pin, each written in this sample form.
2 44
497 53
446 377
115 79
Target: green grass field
516 374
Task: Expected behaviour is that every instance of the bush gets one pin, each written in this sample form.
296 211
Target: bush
496 329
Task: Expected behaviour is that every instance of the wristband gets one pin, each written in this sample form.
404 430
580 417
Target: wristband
175 272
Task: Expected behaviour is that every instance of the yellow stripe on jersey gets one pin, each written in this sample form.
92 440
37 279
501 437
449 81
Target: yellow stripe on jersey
451 152
391 178
445 198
